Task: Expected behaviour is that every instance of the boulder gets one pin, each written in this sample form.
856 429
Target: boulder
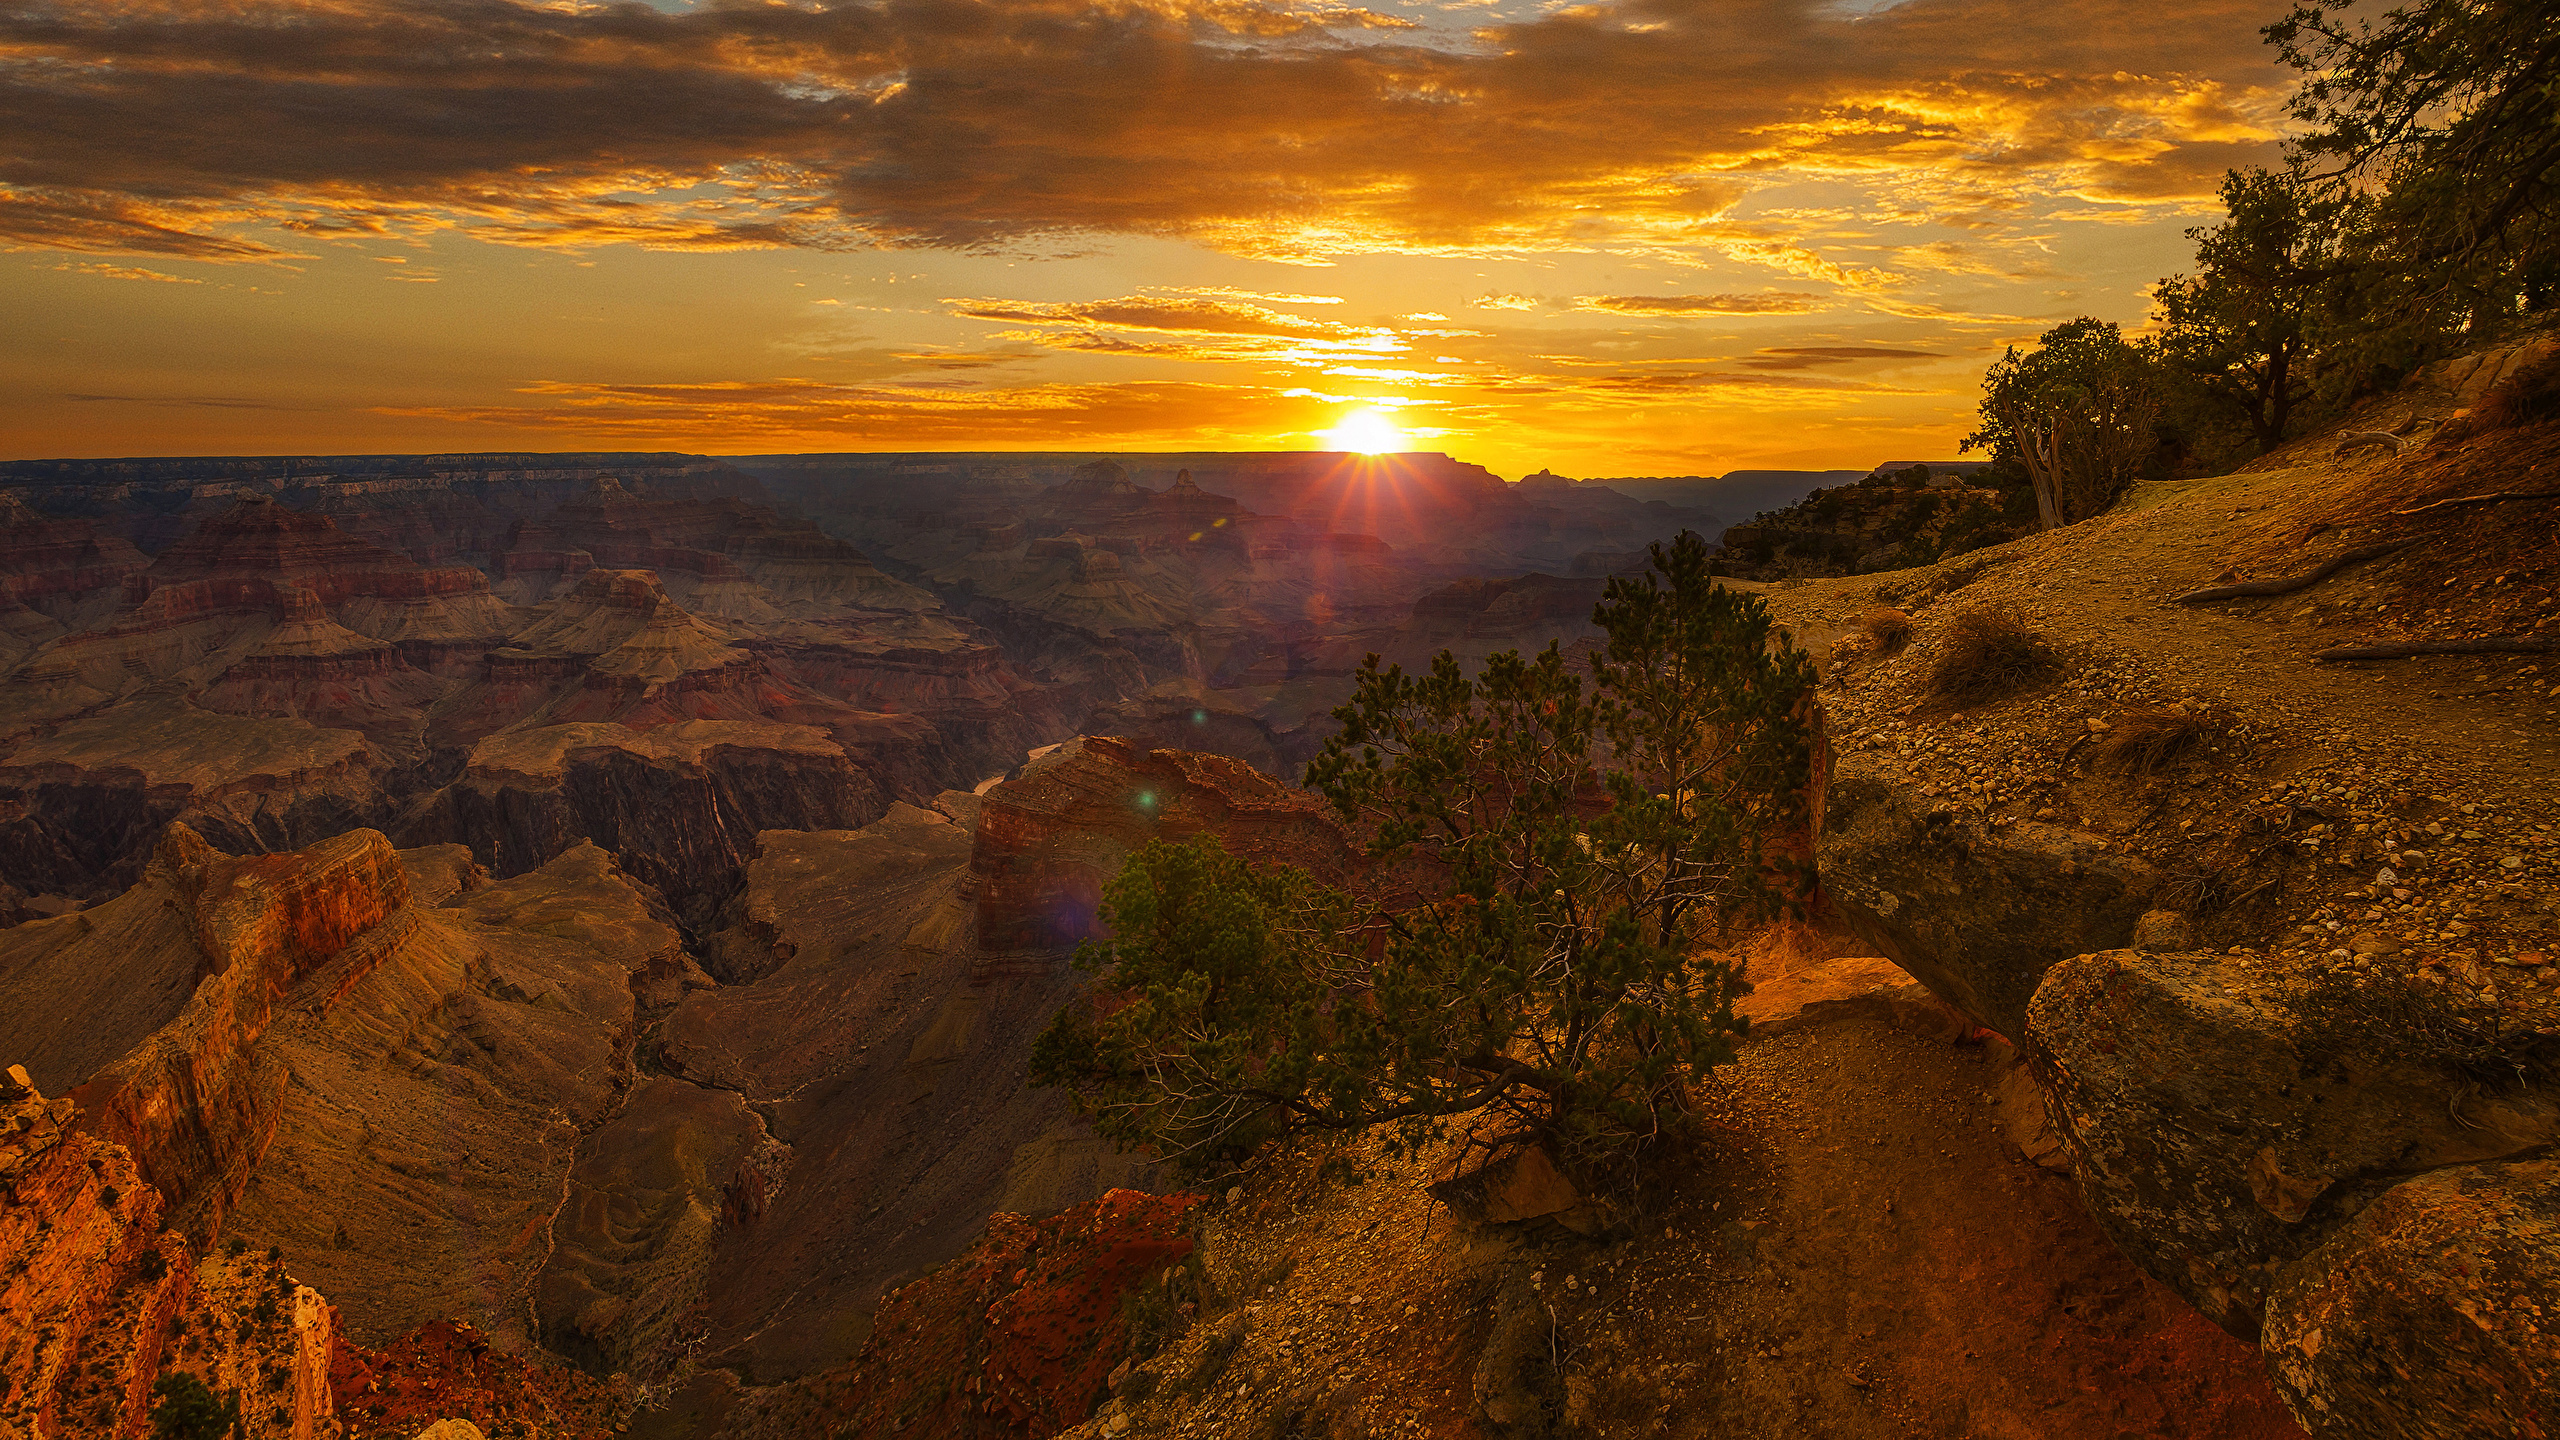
2429 1314
2222 1128
1976 913
1520 1185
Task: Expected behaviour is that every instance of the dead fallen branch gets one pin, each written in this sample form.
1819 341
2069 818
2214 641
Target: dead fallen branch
2290 583
2499 498
2368 437
2478 645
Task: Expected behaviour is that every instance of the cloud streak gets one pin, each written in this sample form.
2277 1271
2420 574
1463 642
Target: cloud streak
173 128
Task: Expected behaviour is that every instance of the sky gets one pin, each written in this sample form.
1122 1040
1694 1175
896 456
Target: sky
1638 237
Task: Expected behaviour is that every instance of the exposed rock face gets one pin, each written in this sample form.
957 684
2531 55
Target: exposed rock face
280 674
1014 1338
196 1102
101 1302
448 1377
886 1050
413 1082
681 803
1049 840
2428 1314
82 1342
1977 912
81 807
2221 1137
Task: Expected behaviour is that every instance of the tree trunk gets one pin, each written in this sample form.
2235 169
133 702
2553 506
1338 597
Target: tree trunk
2039 453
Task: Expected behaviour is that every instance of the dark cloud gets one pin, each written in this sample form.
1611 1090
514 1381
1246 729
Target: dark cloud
1806 357
1774 303
175 127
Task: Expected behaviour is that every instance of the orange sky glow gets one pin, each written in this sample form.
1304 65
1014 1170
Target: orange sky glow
1623 238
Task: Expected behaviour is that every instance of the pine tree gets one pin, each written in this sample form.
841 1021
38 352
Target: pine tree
1552 851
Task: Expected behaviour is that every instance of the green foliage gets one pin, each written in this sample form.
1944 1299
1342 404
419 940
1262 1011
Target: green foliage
2076 413
188 1411
2450 110
1549 858
2243 328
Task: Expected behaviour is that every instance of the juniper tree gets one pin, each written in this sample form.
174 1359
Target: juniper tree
1552 847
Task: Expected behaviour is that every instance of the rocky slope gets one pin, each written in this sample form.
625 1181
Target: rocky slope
103 1306
518 1105
2272 923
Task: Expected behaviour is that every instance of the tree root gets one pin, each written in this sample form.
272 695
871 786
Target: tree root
2503 495
2289 583
2477 645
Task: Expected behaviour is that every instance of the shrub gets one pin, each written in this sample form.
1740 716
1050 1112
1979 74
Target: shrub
1889 628
188 1411
1986 655
2141 742
1557 860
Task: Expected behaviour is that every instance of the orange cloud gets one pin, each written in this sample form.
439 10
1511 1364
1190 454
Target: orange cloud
1293 132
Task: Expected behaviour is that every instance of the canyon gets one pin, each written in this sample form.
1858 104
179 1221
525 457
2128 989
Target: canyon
553 942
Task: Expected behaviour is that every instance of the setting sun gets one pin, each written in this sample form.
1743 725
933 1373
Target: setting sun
1366 431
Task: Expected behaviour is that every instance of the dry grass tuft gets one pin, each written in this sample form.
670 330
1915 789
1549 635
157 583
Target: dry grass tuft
2141 742
1986 655
1889 628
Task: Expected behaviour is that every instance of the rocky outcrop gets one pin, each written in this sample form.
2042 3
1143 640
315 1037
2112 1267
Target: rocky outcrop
2428 1315
81 807
1014 1338
87 1279
679 804
102 1303
196 1102
413 1082
886 1050
1976 911
1049 840
52 572
2223 1126
451 1380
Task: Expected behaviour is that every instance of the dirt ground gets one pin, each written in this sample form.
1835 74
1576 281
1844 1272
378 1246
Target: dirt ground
1854 1252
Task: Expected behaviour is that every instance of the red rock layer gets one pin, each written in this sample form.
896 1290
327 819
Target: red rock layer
196 1103
449 1370
85 1324
44 559
258 543
1050 840
1015 1338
